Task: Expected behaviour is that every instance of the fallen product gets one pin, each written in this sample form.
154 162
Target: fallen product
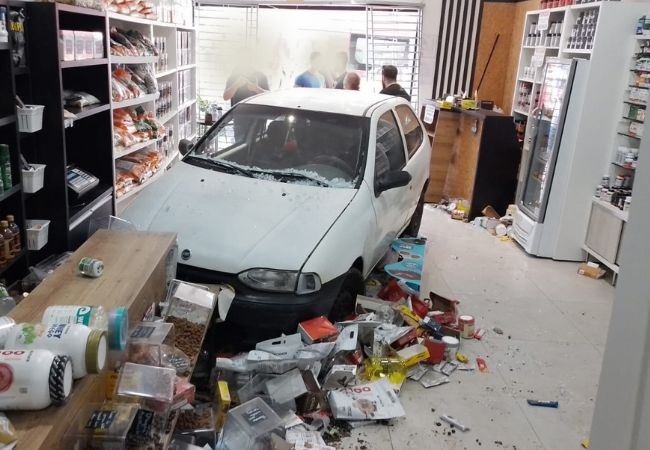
90 267
413 354
452 421
479 333
545 404
416 372
461 357
482 365
316 330
372 401
466 325
430 379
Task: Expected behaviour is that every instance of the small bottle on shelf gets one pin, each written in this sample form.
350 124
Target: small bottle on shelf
8 237
5 167
13 227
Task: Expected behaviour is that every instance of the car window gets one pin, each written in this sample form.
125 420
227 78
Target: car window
389 153
411 127
287 145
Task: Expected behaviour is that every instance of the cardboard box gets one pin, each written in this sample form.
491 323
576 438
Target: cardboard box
89 44
66 45
591 270
98 45
449 308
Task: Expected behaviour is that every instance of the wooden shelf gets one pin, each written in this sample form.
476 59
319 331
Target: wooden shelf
84 63
134 148
639 87
164 73
623 215
133 59
640 70
88 111
518 111
80 10
526 80
642 37
132 19
135 101
592 5
7 120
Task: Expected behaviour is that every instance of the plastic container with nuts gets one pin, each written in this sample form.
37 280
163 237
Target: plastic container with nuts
152 384
100 426
198 423
190 309
149 342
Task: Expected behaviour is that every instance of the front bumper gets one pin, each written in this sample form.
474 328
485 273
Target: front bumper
267 310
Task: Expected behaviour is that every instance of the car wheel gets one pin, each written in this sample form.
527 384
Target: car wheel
346 298
413 228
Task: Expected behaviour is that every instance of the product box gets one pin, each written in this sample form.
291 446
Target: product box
414 354
222 404
66 45
155 385
79 45
318 329
100 426
247 424
89 45
98 45
591 270
149 342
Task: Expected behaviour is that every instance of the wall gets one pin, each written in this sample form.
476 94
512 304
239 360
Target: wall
519 17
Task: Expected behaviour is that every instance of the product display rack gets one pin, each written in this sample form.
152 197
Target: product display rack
170 32
87 144
12 201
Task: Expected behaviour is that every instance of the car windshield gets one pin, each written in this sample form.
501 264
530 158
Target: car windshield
286 145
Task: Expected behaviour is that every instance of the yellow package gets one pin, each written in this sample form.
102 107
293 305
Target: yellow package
461 357
7 430
222 403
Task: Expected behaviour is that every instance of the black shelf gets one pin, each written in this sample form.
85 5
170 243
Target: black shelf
632 120
14 190
629 135
88 110
84 63
79 206
21 71
622 166
7 120
14 262
640 70
638 87
79 10
639 104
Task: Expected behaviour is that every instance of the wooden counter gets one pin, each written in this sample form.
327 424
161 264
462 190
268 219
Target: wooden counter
475 156
134 276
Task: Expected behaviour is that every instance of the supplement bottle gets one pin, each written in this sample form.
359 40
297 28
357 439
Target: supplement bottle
115 323
87 348
8 240
33 379
16 244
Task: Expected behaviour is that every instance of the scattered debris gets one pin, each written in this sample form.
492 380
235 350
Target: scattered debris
453 422
482 365
591 270
584 443
545 404
497 330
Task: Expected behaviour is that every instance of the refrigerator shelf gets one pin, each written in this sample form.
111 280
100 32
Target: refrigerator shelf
630 135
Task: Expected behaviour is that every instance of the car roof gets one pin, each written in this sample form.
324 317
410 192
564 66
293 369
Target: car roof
339 101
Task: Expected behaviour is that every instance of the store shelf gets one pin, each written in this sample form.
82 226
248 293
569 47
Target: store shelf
134 148
185 67
132 19
80 206
632 120
186 27
526 80
136 101
79 10
138 188
186 104
83 63
88 111
609 265
165 73
518 111
592 5
638 86
167 117
133 59
6 194
578 51
630 102
640 70
611 208
643 37
20 256
629 135
622 166
8 120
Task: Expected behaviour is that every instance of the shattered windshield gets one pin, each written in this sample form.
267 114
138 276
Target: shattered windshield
286 145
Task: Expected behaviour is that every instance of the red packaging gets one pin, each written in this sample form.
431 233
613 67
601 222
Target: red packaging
436 350
392 292
318 329
419 307
449 308
482 365
405 340
479 333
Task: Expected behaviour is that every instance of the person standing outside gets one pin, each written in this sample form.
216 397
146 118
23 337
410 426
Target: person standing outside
389 82
311 78
244 83
341 70
352 81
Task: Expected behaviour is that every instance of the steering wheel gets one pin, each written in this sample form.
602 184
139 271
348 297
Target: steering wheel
334 161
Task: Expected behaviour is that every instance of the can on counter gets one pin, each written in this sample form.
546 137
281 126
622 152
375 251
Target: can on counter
466 327
91 267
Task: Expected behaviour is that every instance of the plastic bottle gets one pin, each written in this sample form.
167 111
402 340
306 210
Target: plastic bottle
33 379
8 240
86 347
115 323
6 324
5 167
3 256
4 35
392 368
17 244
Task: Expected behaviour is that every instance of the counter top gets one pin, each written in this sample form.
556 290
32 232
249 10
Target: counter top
134 276
478 113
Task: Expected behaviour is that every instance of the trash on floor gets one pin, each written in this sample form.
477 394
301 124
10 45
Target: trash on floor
544 404
591 270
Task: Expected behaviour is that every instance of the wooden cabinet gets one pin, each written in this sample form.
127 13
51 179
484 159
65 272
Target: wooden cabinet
475 156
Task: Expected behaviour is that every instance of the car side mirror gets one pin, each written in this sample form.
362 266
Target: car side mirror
184 146
392 180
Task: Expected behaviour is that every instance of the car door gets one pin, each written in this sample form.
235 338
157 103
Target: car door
418 154
388 154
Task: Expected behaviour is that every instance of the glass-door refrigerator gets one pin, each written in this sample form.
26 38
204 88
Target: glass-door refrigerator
541 148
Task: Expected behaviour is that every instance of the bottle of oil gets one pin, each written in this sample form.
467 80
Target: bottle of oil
8 239
13 227
392 368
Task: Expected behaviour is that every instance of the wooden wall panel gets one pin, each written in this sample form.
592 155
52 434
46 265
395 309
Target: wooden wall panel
441 152
464 158
519 17
497 19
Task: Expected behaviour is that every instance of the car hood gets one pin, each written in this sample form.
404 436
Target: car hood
231 223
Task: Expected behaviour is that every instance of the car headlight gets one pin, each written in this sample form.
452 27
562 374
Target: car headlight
281 281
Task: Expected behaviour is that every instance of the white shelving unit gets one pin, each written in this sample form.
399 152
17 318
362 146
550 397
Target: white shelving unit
171 120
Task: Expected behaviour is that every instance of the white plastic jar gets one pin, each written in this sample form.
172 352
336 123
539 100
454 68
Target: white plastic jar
33 379
115 323
87 348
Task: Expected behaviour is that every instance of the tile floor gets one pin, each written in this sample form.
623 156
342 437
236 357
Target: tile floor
555 325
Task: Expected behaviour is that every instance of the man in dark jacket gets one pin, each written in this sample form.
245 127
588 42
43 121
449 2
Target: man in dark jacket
389 82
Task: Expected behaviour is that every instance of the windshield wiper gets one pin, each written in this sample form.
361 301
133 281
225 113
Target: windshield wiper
221 164
297 175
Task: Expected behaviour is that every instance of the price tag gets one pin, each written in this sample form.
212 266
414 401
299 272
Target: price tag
542 22
142 331
101 420
429 113
538 57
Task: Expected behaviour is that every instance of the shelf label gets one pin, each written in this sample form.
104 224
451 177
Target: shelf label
542 22
538 57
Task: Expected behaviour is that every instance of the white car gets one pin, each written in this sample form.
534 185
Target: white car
292 198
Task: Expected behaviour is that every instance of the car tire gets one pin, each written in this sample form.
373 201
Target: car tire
413 228
346 298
